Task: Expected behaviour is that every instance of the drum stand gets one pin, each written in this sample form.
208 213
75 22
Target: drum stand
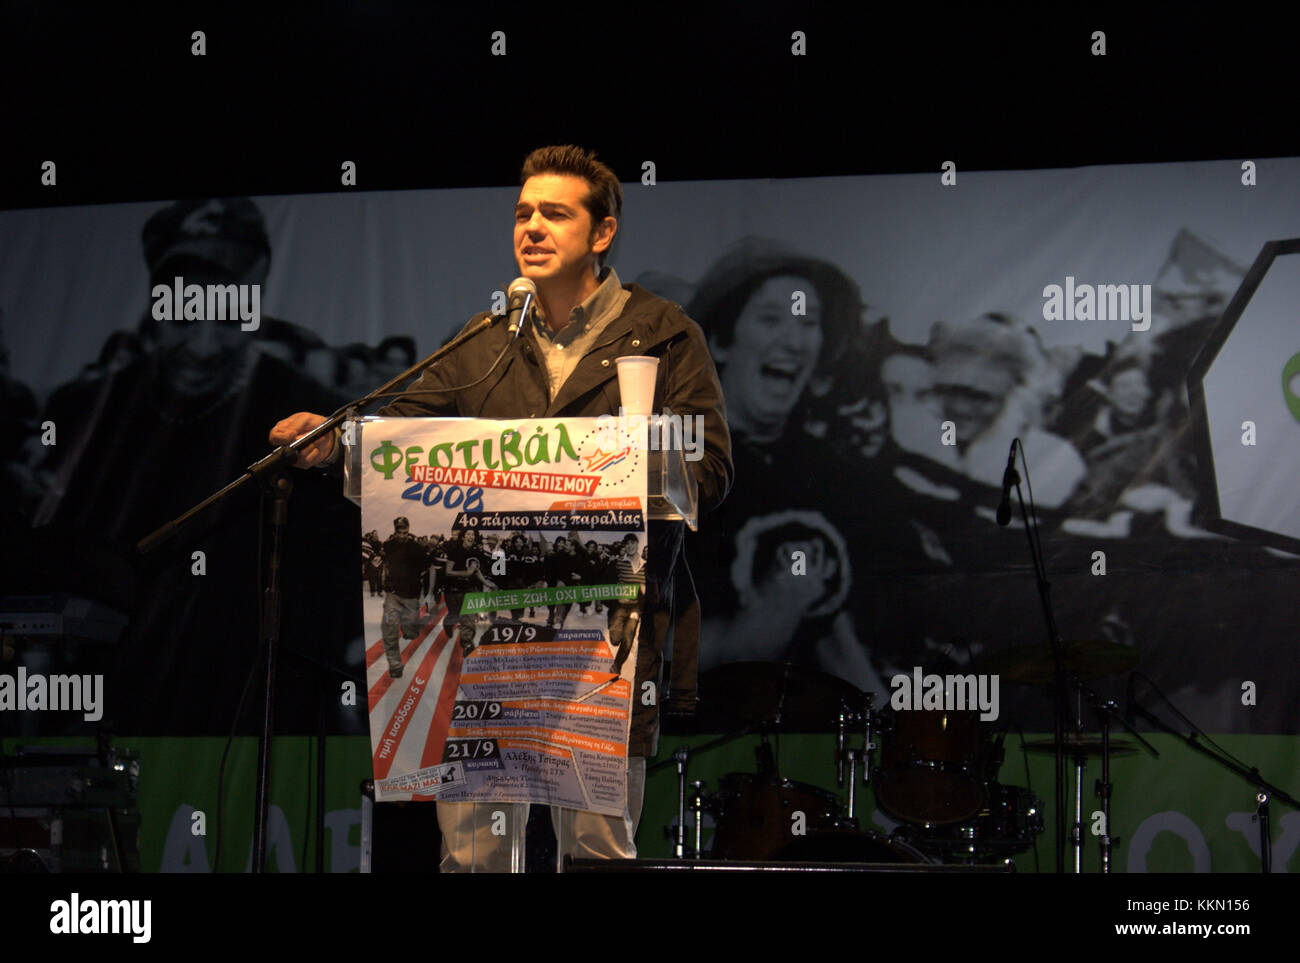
698 805
1105 710
1080 764
854 756
1104 788
682 756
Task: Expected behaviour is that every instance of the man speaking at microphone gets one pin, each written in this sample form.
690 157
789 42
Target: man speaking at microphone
562 365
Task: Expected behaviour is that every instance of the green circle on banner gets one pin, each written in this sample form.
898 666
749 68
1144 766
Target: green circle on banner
1290 371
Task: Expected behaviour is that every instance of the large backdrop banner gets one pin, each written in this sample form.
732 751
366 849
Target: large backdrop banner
942 317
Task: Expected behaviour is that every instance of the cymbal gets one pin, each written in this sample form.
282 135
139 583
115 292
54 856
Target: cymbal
1087 658
1088 745
774 695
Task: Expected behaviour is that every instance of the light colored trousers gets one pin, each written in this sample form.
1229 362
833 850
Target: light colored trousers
401 615
472 843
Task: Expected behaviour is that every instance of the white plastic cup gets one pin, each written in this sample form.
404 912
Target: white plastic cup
636 383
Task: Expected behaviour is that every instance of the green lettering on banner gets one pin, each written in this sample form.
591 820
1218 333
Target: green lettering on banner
510 456
564 445
392 458
466 448
413 454
1291 370
537 448
518 598
443 449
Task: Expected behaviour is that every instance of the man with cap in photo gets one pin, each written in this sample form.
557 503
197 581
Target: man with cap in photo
405 560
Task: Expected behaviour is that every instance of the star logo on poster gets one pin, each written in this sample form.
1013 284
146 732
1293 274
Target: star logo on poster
599 460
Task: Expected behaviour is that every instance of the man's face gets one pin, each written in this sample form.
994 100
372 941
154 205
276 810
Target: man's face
774 351
1129 392
201 358
973 388
553 229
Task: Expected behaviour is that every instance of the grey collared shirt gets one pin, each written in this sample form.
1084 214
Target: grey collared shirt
562 350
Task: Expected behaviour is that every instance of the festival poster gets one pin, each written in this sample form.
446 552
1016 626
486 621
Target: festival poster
501 652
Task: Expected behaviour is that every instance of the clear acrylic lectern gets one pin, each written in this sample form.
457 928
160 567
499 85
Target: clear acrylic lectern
671 495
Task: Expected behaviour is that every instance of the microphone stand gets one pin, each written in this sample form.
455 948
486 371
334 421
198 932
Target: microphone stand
1107 710
1054 639
272 472
1265 789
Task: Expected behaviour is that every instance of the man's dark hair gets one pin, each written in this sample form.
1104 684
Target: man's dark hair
604 195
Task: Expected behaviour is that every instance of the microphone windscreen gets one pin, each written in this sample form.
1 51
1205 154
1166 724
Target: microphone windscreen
519 286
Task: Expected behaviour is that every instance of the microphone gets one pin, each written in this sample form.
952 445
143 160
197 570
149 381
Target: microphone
1009 478
521 293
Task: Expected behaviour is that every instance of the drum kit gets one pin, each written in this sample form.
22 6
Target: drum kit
934 772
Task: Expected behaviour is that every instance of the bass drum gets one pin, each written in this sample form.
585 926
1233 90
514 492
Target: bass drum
1005 827
755 814
843 846
932 767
